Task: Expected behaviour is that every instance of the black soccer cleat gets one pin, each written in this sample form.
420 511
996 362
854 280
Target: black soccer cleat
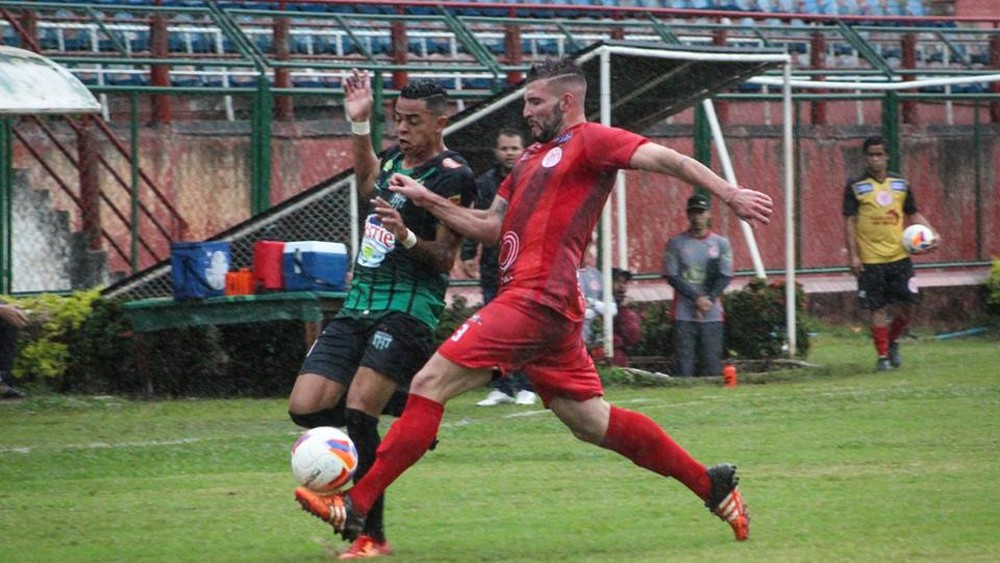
895 358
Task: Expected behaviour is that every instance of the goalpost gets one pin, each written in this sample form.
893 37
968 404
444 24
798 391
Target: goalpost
786 83
604 53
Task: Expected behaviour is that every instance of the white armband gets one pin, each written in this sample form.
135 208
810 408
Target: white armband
410 240
360 128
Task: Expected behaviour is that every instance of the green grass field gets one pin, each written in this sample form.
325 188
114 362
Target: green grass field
838 464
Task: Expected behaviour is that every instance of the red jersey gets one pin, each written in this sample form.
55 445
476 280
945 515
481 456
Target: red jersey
555 193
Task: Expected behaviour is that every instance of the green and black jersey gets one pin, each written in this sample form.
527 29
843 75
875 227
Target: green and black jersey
386 277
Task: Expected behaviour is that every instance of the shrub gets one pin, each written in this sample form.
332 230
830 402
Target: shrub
453 317
755 321
102 353
657 326
993 287
43 346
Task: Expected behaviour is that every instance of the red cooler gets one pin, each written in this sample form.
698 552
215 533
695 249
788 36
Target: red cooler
267 256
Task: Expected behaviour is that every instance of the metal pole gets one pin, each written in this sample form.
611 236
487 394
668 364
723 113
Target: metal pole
727 170
786 94
621 209
978 165
134 186
6 206
609 346
261 150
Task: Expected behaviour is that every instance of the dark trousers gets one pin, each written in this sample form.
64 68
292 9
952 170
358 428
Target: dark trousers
8 338
697 341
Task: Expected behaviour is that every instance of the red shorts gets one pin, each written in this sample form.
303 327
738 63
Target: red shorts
536 340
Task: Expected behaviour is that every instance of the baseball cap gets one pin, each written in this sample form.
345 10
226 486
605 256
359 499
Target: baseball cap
615 272
698 202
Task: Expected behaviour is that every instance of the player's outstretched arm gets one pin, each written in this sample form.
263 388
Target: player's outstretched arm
358 103
749 205
479 224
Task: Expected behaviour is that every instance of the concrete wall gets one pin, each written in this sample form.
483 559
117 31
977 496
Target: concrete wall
204 169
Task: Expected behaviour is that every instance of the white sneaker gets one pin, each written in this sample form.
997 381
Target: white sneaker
525 397
496 397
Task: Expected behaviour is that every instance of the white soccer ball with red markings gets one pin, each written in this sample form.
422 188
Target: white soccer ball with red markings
324 459
917 238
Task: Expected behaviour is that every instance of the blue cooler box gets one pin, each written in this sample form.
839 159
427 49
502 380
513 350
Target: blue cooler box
314 266
198 269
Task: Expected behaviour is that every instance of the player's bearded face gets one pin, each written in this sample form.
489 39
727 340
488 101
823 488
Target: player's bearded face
548 127
542 111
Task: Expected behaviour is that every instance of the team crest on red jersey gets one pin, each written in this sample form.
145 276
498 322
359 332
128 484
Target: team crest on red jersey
552 157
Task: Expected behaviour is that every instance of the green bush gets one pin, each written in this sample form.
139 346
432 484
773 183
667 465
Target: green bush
657 328
102 353
993 286
755 321
453 317
83 343
44 345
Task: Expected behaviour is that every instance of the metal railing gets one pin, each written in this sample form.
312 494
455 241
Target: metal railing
259 63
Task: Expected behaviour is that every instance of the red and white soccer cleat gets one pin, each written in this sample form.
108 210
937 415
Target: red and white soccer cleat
335 509
726 502
366 547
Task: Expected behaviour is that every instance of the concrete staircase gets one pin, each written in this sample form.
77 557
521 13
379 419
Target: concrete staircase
47 254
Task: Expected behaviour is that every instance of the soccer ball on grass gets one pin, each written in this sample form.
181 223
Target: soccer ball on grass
324 459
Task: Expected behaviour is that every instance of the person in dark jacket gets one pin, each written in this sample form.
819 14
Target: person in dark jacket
507 149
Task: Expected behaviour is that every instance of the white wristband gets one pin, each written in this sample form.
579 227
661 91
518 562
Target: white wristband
360 127
410 241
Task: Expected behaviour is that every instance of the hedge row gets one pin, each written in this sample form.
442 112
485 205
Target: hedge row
82 343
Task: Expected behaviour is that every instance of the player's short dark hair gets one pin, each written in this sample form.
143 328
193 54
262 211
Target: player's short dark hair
564 68
508 132
431 92
875 141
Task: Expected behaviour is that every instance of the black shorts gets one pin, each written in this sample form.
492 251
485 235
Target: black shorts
882 284
395 345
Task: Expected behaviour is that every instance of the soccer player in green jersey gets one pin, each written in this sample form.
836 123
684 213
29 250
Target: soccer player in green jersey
364 360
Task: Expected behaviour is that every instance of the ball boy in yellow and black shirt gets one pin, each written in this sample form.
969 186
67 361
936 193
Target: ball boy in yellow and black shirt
878 205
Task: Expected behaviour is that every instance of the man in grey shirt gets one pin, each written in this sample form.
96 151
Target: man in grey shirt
698 264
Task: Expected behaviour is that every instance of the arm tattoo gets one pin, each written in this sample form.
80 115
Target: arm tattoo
501 209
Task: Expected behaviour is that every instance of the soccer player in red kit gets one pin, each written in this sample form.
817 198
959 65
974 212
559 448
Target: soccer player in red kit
543 216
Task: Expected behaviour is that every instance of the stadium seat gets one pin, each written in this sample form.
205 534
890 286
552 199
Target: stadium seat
48 37
126 76
323 43
300 43
477 83
416 46
86 75
538 11
488 12
841 49
380 44
262 39
438 46
213 78
494 45
306 79
180 78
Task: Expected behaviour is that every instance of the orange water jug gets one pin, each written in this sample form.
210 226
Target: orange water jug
729 375
239 283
